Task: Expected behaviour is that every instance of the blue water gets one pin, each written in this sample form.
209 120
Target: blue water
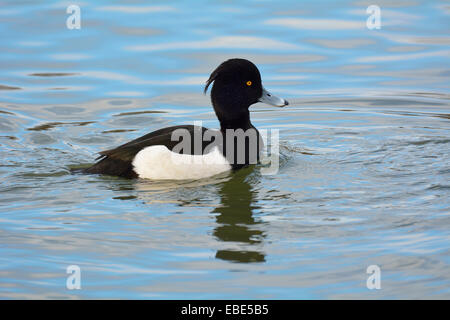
364 151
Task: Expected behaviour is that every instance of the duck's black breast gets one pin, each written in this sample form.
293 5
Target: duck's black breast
118 161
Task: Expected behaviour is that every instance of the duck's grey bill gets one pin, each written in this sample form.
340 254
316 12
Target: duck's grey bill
269 98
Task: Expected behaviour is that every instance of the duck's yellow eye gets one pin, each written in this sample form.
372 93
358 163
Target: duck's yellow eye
249 83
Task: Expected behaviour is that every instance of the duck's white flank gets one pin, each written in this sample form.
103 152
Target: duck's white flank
158 162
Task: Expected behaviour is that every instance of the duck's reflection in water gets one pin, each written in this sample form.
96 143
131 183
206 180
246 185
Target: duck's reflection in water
237 229
235 221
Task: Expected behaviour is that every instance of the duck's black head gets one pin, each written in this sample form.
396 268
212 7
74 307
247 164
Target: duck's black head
237 85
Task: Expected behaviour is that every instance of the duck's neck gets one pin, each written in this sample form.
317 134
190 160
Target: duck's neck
239 121
241 148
